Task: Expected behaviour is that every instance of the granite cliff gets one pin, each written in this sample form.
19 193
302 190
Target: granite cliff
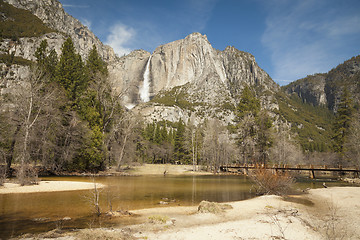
188 75
325 89
53 15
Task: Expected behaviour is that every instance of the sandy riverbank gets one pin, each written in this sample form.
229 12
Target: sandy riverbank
47 186
170 169
145 169
331 213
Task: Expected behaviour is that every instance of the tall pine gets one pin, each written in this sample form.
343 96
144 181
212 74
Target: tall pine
342 123
253 127
180 152
70 71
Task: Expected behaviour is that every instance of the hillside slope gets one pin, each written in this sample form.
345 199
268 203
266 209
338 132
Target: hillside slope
325 89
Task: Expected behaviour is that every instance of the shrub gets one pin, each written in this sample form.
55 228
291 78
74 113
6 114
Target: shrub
27 175
268 182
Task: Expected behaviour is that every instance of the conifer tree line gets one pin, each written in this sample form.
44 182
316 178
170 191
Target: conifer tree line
66 117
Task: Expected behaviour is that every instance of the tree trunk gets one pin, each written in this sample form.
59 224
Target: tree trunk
121 153
10 156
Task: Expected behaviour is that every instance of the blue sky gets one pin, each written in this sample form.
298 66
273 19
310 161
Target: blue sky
290 39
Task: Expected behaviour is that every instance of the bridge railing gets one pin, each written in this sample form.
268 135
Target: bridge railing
293 167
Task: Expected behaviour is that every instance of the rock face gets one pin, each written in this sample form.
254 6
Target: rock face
183 61
241 68
189 80
25 47
310 89
127 75
325 89
54 16
209 75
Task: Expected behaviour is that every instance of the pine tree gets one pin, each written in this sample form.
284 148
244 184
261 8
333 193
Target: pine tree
249 104
95 64
264 138
41 53
342 123
70 71
51 63
253 127
180 152
157 135
46 61
164 134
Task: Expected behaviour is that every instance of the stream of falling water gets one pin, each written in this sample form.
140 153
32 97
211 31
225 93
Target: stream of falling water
145 89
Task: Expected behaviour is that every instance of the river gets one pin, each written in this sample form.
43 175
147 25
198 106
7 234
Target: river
40 212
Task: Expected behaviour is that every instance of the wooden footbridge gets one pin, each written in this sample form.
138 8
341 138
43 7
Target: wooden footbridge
244 168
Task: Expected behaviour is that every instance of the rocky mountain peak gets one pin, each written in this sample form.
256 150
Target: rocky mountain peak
231 50
196 36
193 61
53 15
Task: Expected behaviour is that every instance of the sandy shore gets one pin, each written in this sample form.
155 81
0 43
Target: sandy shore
47 186
170 169
331 213
55 186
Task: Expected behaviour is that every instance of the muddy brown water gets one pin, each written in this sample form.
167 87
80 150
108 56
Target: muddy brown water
41 212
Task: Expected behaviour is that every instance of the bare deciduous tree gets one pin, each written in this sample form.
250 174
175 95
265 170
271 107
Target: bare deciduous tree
30 99
123 132
285 150
217 147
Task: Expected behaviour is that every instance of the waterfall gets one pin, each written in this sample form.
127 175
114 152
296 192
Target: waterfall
145 89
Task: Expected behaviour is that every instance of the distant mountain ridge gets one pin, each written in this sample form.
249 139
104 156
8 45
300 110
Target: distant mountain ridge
325 89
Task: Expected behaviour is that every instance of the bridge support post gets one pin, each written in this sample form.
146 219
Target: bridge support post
312 174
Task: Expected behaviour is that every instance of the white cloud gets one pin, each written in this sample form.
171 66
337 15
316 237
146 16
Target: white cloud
86 22
199 13
120 38
307 37
75 6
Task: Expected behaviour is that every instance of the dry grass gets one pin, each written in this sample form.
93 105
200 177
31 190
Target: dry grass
212 207
158 219
268 182
100 234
